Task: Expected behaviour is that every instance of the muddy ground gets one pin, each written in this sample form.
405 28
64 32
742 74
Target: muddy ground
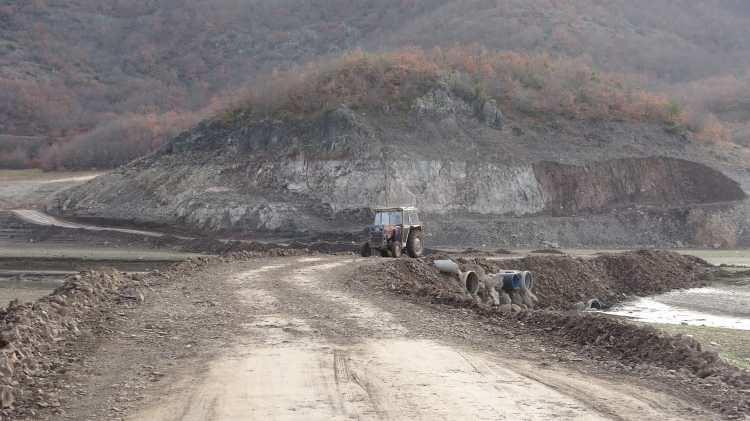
327 337
299 337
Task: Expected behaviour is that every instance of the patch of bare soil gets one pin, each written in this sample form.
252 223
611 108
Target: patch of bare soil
562 280
13 229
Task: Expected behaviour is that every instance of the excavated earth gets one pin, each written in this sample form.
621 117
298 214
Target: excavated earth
531 180
562 281
62 357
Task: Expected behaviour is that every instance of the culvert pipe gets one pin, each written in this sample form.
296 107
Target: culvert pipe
527 280
512 279
469 279
447 266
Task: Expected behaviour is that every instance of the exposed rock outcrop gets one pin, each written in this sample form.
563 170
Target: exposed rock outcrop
323 173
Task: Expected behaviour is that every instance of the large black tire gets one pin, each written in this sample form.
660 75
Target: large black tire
396 249
414 246
366 250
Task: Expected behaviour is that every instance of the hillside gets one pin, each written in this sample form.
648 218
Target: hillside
104 82
582 161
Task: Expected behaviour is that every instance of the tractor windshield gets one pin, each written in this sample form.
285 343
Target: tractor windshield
388 218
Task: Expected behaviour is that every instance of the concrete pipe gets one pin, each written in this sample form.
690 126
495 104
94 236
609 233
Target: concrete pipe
527 280
511 280
471 280
447 266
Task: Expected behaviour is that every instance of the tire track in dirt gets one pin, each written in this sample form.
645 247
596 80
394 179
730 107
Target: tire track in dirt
311 350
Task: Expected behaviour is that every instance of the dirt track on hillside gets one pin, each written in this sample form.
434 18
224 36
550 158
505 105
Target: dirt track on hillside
290 338
34 189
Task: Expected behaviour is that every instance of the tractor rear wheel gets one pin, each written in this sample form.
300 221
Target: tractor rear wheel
414 246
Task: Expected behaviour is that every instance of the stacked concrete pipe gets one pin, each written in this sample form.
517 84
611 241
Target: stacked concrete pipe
508 289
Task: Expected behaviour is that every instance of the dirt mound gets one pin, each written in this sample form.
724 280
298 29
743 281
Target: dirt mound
417 277
31 333
560 281
563 281
636 345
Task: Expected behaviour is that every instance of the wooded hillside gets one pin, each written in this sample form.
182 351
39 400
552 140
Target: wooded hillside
102 82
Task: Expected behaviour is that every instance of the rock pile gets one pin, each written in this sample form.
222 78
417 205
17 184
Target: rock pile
31 333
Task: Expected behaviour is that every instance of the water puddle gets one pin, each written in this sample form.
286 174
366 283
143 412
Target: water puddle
724 307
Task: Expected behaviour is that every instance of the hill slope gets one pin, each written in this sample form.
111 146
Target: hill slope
406 129
117 77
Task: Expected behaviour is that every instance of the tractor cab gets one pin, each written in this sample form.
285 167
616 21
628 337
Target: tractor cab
392 231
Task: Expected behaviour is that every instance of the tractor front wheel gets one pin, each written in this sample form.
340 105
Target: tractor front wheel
366 250
396 249
414 244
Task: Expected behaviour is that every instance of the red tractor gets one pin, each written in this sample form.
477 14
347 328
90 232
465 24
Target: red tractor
394 230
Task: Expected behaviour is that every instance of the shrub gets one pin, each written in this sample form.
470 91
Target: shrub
115 143
537 83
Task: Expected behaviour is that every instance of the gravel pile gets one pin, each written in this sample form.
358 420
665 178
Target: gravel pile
31 334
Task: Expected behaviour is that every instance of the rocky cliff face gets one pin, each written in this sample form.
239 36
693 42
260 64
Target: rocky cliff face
509 179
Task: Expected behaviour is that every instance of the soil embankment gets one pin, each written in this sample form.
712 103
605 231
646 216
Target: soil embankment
563 281
659 182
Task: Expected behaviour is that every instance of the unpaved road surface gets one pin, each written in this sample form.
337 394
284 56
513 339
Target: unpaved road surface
310 348
39 218
34 189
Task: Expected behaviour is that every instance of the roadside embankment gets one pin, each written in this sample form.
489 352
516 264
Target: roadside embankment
31 334
34 336
562 281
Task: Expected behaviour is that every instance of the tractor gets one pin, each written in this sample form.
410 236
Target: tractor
394 230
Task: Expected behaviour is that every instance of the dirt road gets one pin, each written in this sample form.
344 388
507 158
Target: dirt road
40 218
311 349
30 189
